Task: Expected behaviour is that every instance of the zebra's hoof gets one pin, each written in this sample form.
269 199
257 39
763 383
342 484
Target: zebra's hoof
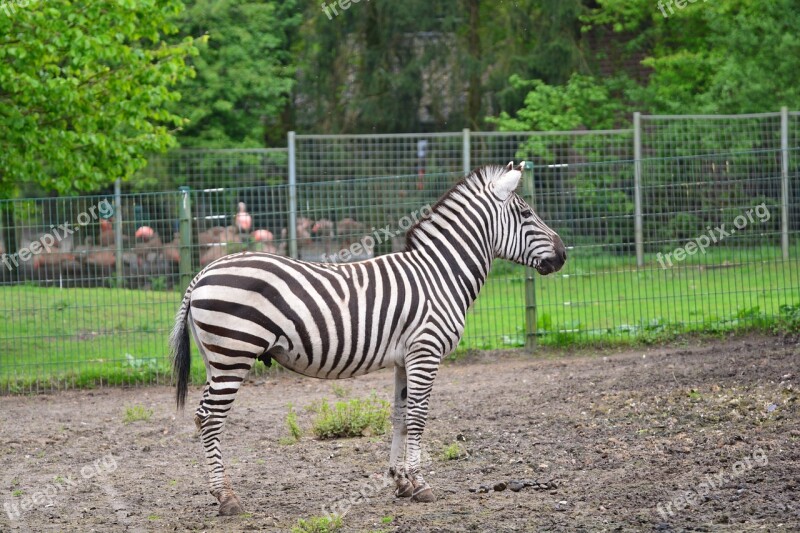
230 505
424 495
404 488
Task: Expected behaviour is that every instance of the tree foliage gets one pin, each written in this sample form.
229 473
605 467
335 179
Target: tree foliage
84 90
715 57
245 72
582 102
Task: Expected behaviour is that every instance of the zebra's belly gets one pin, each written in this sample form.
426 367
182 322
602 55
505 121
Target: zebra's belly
298 362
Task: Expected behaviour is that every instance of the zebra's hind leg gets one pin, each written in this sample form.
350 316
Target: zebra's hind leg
397 467
224 380
422 370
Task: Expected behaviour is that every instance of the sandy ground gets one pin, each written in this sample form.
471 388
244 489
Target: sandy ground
697 436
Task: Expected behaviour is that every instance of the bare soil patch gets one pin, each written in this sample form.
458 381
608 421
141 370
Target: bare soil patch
597 439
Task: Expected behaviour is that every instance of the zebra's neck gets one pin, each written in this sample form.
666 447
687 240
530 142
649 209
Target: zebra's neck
455 242
454 270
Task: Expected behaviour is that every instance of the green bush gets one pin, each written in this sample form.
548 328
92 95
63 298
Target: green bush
352 418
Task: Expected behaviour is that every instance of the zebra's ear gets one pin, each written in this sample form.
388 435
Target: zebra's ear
505 183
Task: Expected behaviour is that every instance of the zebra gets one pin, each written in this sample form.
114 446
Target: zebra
331 321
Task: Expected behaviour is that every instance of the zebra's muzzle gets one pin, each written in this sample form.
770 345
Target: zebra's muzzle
553 263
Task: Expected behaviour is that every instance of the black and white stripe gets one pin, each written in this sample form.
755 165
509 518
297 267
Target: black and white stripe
404 310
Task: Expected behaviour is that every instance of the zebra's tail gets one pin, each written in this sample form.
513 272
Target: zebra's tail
180 348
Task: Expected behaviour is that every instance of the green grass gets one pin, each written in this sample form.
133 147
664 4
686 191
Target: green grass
606 299
353 418
63 338
137 413
451 452
318 524
51 337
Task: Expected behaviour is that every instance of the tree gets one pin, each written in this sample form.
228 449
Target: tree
715 57
419 66
580 104
244 75
84 90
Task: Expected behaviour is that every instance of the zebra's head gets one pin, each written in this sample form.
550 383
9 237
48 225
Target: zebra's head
521 235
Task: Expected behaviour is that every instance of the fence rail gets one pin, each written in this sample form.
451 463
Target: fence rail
679 224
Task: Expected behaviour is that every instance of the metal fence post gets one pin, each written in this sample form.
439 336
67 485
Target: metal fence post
466 165
292 197
785 181
637 188
530 276
185 228
118 229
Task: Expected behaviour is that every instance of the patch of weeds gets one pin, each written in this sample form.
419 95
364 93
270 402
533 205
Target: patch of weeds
339 391
318 524
173 483
158 283
694 395
153 517
353 418
17 493
295 431
387 519
136 413
60 305
141 364
789 319
452 452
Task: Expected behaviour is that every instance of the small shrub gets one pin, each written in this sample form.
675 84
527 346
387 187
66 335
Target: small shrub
353 418
136 413
295 431
318 524
158 283
451 452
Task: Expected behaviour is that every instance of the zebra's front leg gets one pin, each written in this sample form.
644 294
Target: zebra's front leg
421 373
397 467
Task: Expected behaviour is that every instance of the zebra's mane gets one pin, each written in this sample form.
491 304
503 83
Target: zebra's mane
466 186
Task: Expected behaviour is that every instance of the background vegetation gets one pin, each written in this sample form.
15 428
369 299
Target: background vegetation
86 91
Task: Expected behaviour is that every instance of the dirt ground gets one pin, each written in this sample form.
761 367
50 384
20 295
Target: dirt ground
599 441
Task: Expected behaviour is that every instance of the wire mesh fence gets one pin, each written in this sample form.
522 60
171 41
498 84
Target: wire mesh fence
715 212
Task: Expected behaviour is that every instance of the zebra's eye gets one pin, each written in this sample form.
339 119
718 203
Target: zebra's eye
526 213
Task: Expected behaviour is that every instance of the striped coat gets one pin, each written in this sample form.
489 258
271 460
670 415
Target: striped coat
404 310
